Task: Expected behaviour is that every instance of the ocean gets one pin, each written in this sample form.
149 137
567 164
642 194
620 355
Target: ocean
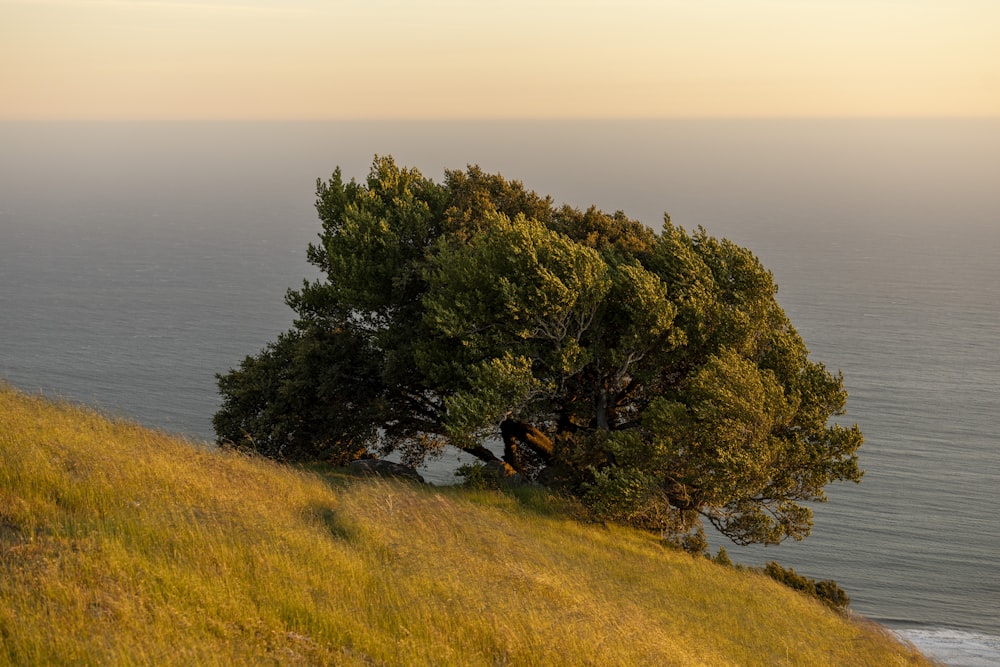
139 259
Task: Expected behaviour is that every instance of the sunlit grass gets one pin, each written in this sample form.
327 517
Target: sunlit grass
119 545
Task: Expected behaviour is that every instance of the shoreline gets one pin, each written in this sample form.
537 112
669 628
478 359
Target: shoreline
950 646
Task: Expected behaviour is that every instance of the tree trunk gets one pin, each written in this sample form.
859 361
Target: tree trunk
679 496
516 433
601 410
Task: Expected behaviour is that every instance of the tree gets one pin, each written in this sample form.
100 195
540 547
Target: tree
653 375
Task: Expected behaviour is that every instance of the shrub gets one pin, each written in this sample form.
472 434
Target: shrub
826 591
722 558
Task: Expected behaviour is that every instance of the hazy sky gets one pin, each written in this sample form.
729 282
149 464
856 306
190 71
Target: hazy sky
235 59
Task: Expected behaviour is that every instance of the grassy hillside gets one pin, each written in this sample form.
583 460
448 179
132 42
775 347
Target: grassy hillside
119 545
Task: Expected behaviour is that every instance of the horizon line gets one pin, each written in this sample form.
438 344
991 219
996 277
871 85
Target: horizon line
495 119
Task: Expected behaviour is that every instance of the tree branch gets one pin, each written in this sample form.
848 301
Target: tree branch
516 433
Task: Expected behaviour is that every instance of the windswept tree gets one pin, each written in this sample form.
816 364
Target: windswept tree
651 374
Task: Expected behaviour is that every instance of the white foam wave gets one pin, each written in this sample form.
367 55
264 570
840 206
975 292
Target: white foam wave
955 648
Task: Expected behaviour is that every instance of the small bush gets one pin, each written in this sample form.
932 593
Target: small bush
479 476
826 591
722 558
695 542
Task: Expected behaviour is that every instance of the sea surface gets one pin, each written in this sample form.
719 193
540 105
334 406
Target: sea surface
139 259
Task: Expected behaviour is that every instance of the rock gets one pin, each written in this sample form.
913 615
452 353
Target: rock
383 468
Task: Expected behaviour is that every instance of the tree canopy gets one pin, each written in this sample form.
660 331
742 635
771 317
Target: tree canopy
653 375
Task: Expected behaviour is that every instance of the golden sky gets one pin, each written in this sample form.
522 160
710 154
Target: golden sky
292 59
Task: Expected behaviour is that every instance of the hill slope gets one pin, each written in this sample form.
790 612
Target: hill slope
119 545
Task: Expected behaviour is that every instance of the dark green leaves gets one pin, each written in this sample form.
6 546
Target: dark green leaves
654 374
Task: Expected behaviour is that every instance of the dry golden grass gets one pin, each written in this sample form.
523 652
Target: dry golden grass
121 546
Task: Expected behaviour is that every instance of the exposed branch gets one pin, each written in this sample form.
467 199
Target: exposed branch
516 433
480 453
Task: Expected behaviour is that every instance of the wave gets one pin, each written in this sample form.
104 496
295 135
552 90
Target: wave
956 648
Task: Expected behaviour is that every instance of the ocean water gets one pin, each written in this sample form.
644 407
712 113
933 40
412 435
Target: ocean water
138 260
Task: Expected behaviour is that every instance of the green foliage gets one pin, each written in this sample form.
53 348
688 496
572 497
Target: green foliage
694 542
826 591
722 558
289 401
651 375
478 476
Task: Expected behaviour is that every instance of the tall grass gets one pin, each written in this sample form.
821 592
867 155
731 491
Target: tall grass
121 546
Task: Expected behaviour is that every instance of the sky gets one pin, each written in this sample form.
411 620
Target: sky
479 59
